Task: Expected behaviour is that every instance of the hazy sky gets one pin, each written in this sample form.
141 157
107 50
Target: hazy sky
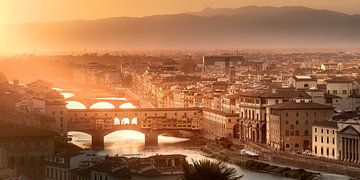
17 11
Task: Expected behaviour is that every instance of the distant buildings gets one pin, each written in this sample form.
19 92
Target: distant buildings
97 74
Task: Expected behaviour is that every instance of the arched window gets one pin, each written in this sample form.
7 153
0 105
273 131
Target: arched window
125 121
116 121
134 120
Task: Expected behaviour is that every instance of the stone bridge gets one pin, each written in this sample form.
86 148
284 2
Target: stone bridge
115 102
151 122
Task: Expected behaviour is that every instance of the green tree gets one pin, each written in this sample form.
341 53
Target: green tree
207 170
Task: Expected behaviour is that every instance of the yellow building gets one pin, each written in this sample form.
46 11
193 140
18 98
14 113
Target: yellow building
324 141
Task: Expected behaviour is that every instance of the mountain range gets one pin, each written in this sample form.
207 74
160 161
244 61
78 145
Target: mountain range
245 27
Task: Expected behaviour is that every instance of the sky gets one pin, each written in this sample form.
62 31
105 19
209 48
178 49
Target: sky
21 11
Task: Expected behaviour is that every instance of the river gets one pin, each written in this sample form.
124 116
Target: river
131 143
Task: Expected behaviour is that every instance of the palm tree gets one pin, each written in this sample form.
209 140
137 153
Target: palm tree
207 170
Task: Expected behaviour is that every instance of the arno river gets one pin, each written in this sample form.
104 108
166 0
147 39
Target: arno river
131 143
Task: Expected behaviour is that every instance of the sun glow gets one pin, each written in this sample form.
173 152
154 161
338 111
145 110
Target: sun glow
124 134
102 105
75 105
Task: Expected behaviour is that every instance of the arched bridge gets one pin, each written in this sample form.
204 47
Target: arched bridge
152 122
113 103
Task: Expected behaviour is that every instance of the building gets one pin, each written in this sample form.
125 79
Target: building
302 82
25 148
218 124
59 167
290 123
344 88
324 139
348 136
222 61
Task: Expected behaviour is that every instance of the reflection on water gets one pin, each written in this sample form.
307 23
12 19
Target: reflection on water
131 143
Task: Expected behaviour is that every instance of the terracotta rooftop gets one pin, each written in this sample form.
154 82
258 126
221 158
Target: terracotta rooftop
339 80
292 105
222 113
331 124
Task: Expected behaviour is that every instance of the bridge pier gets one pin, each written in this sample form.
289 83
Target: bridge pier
151 138
97 141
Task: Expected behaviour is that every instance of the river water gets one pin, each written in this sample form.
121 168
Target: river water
131 143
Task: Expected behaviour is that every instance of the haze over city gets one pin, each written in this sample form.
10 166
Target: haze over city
180 89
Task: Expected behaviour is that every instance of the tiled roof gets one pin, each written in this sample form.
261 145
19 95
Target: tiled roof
339 80
222 113
332 124
292 105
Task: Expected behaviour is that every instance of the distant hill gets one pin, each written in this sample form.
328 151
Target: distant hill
246 27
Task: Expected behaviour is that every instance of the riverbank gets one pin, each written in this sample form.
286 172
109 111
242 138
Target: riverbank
214 150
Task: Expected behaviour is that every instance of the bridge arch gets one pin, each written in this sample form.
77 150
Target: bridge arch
102 105
127 105
75 105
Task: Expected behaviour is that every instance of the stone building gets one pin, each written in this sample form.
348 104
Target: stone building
218 124
324 139
25 148
251 107
302 82
290 123
348 136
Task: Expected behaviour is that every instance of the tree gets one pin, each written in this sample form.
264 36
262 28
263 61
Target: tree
207 170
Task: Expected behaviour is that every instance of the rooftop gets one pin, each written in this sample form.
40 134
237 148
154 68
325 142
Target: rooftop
292 105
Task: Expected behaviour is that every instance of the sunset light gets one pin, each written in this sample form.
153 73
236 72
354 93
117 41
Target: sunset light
180 89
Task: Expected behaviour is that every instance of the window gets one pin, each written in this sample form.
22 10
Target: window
286 122
297 114
315 129
286 114
296 145
344 91
315 115
334 91
297 133
327 140
315 139
327 151
333 140
322 151
297 122
287 145
322 139
327 131
322 130
333 152
306 85
276 101
306 133
315 149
